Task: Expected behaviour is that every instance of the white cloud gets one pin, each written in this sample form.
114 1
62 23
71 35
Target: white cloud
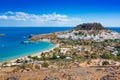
44 19
3 17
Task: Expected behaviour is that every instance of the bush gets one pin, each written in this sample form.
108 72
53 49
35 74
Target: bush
29 57
107 56
35 58
54 56
24 66
74 54
87 56
105 63
45 64
94 56
62 56
44 58
81 33
118 56
18 60
5 63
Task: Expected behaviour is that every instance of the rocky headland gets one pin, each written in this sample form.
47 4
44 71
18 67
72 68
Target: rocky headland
86 31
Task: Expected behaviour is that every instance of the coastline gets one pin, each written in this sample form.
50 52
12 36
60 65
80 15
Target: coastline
34 54
39 53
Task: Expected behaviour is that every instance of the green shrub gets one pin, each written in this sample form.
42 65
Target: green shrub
29 56
62 56
24 66
105 63
35 58
79 33
74 54
44 58
118 56
107 56
87 56
54 56
18 60
45 64
94 56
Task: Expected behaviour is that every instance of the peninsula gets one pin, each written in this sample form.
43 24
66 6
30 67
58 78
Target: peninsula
86 50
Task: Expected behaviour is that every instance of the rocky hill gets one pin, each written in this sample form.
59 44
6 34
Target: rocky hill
89 26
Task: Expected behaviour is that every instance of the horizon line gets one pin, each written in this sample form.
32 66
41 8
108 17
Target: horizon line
53 26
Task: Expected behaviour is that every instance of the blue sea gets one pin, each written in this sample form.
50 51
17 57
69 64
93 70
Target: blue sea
117 29
10 44
11 47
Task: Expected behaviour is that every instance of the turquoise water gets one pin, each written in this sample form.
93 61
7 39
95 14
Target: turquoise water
10 44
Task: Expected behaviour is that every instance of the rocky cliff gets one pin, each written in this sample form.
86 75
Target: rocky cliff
89 26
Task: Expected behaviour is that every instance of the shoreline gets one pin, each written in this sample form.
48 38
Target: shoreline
34 54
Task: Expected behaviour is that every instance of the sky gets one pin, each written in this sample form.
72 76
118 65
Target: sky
59 12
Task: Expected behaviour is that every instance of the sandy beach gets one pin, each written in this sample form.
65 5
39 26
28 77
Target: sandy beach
34 54
39 53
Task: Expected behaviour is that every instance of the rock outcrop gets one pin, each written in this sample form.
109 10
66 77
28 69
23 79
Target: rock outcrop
2 34
89 26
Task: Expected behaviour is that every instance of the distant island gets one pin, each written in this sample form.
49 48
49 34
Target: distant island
87 49
2 34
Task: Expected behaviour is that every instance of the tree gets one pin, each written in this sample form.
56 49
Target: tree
54 56
62 56
43 57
